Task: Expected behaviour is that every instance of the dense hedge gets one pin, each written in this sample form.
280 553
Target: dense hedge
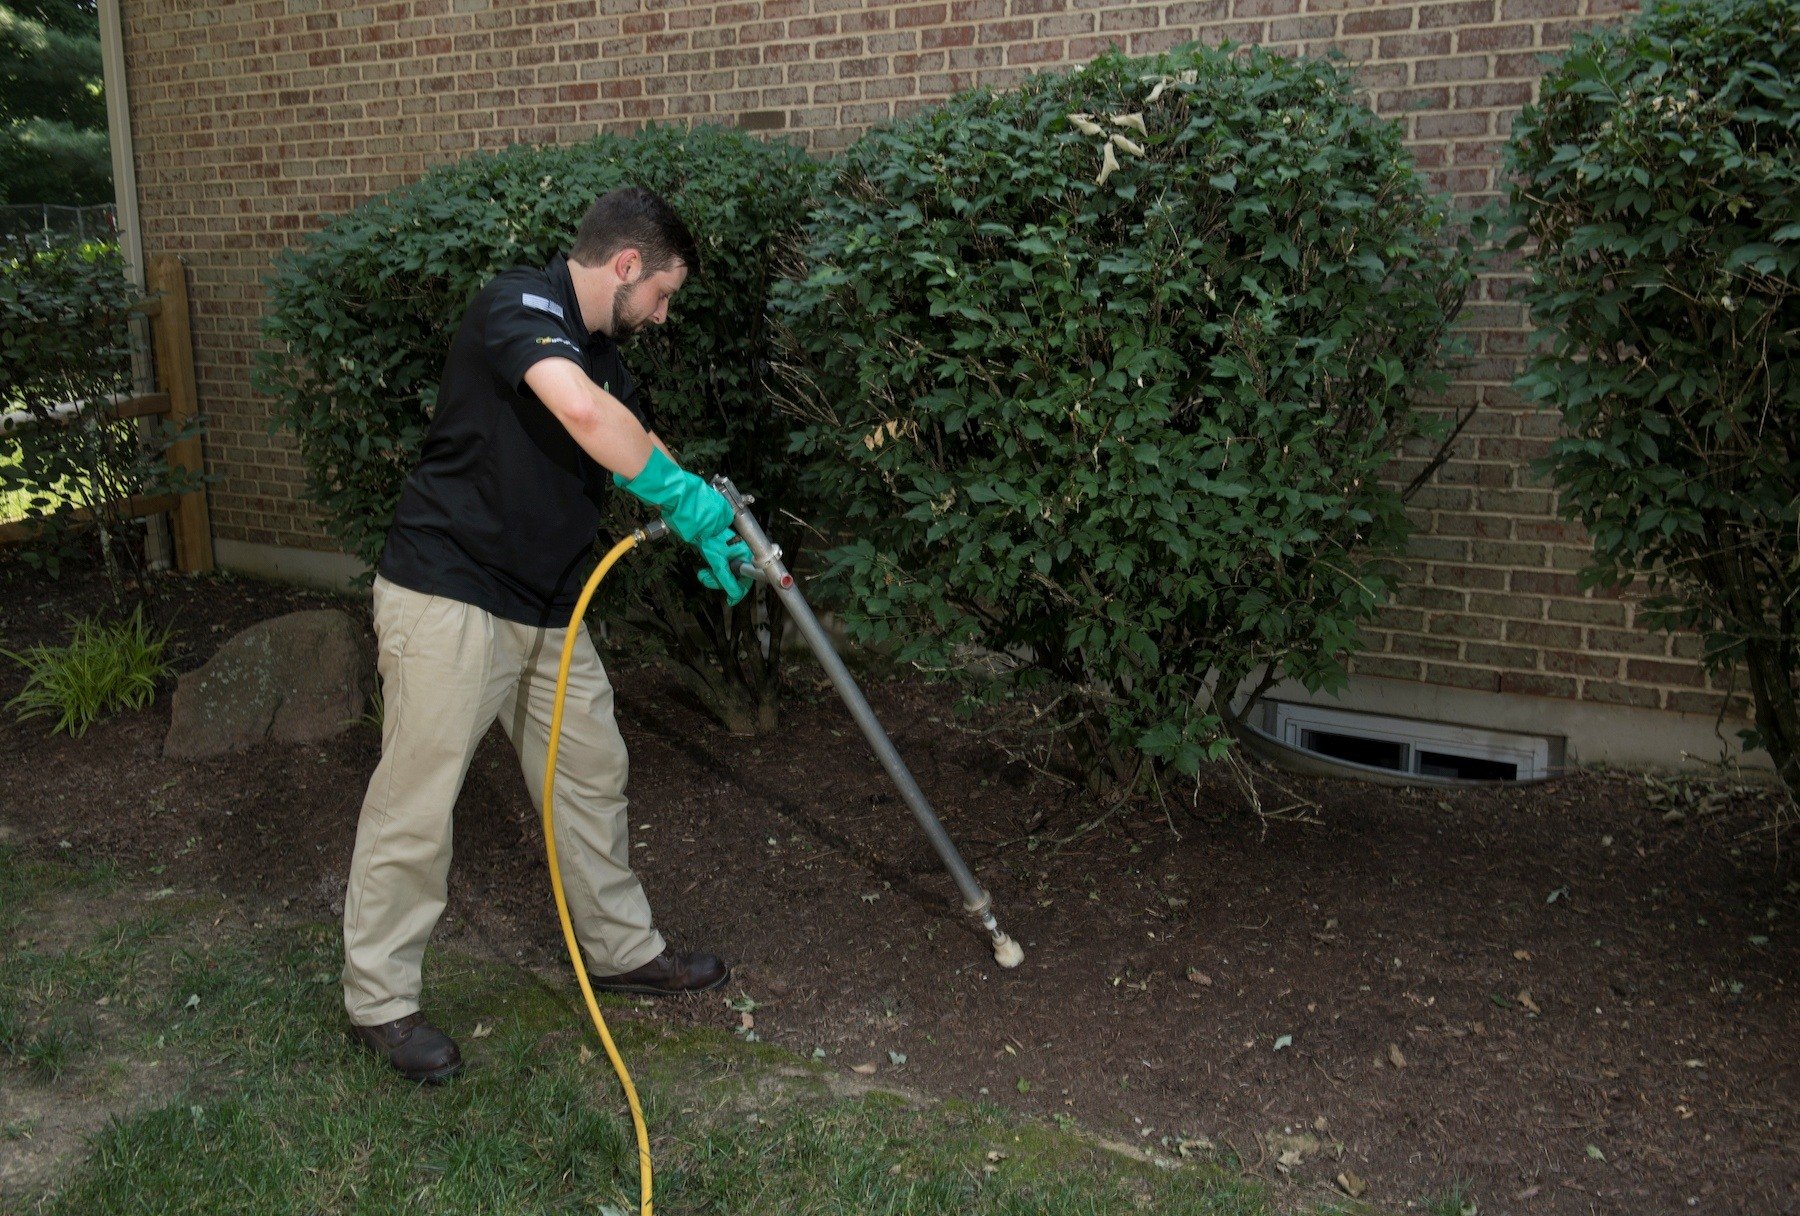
364 311
1104 372
1658 178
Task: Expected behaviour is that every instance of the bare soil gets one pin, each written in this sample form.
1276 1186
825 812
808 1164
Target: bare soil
1573 997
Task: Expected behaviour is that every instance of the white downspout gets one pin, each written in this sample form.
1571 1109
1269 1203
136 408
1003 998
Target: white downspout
118 131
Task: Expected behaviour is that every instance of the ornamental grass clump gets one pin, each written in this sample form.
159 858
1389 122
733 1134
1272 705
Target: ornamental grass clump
1104 373
364 311
1658 181
105 668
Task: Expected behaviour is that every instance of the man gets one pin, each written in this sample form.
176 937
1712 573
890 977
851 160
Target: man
490 545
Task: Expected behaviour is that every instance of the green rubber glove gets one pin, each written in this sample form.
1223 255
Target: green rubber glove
692 509
722 553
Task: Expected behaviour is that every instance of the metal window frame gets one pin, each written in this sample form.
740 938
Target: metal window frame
1529 754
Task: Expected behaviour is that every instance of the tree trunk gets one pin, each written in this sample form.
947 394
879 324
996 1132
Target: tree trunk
1768 645
720 658
1777 714
726 702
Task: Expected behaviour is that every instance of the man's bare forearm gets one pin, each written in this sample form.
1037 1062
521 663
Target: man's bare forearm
603 425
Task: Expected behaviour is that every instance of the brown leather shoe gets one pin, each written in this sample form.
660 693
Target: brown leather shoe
668 974
418 1050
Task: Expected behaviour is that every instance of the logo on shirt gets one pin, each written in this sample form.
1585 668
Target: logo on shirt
549 341
542 305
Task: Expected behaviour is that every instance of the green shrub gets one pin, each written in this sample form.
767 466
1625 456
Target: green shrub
1129 432
105 668
66 347
364 313
1659 179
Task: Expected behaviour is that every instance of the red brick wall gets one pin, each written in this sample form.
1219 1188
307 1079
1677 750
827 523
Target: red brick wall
253 119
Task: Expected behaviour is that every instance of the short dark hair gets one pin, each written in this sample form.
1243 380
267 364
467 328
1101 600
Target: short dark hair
632 217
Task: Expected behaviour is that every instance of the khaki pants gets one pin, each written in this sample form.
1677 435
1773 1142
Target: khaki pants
447 670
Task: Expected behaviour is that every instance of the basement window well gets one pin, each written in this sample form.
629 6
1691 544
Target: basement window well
1407 747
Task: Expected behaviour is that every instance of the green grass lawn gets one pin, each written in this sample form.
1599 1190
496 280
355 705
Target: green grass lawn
218 1048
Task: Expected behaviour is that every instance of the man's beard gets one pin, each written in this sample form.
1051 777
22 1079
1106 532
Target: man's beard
623 323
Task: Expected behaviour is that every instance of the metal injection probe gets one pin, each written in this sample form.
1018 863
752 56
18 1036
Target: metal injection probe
766 567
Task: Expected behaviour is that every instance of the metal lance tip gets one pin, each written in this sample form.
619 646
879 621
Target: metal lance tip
1007 952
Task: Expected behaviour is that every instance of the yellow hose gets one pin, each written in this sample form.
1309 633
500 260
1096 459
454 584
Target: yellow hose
562 907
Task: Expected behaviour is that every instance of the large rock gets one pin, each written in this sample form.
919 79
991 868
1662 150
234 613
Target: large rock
297 678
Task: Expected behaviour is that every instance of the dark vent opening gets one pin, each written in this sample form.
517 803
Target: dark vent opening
1465 768
1354 749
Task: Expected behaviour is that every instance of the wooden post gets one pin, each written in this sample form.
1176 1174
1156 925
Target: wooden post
166 277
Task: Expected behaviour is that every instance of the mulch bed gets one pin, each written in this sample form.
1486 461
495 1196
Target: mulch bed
1562 997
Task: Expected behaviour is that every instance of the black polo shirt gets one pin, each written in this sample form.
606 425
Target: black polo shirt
503 508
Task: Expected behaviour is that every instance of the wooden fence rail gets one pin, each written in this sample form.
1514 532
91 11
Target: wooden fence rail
172 344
